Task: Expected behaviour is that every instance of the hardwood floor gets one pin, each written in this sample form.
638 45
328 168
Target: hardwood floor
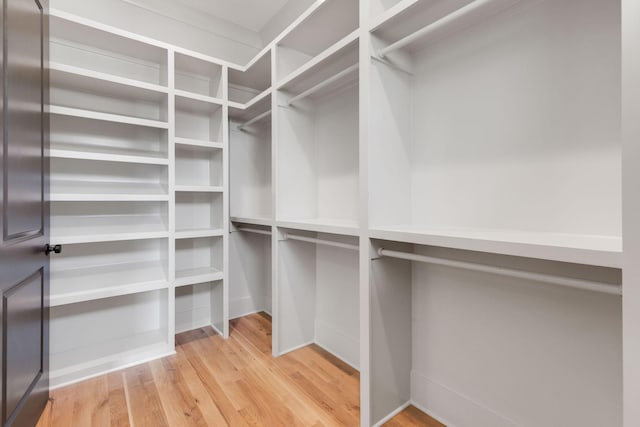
216 382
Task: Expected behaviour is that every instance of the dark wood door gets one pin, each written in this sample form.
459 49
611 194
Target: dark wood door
24 213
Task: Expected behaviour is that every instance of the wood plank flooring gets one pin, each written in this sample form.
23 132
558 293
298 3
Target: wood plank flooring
216 382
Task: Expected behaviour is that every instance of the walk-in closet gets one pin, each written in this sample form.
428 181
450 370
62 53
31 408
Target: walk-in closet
320 212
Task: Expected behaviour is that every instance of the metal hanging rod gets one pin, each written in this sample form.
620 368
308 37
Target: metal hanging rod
255 119
254 230
323 84
588 285
288 236
442 22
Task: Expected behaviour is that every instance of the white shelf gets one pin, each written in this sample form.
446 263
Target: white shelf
96 336
105 281
251 83
197 275
197 76
605 251
198 97
197 233
398 8
198 144
255 100
335 58
72 88
322 225
198 168
114 197
244 113
116 118
88 44
87 152
253 220
101 237
423 22
107 191
199 188
310 37
85 79
197 119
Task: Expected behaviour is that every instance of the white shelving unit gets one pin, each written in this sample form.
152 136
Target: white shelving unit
139 192
496 151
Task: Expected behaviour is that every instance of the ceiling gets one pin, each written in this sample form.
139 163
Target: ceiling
250 14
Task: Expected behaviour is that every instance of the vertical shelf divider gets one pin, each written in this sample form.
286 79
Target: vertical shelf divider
171 80
225 200
275 233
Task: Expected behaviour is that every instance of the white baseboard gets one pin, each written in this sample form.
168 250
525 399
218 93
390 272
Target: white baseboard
451 407
59 380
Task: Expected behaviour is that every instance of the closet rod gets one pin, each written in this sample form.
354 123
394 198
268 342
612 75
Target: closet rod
540 277
446 20
255 119
254 230
288 236
323 84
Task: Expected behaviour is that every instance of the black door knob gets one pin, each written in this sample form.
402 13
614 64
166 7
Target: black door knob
56 249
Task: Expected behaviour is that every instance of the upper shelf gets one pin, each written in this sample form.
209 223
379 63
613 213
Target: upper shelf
310 37
605 251
382 10
334 68
252 220
250 111
244 86
108 117
73 43
114 154
411 25
86 79
193 75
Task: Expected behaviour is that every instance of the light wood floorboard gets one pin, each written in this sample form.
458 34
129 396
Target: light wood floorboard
216 382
